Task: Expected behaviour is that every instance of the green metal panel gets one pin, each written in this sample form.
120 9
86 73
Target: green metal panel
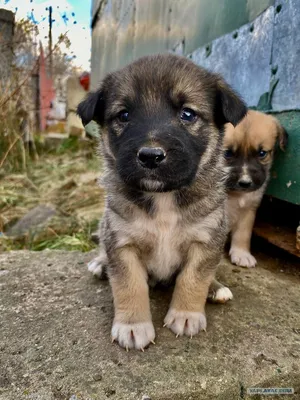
285 181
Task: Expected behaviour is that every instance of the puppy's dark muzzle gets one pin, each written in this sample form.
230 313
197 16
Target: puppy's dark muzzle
243 184
151 157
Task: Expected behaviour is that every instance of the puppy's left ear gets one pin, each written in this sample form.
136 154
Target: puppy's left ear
282 136
92 108
229 106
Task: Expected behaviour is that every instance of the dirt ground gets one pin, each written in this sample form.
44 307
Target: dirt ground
55 335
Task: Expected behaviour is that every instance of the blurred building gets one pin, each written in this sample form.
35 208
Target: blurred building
7 21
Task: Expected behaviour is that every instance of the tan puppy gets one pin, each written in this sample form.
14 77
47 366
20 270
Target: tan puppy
249 153
161 120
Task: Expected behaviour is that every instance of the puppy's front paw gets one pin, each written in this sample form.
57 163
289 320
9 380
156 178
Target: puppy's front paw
131 336
98 267
185 322
242 258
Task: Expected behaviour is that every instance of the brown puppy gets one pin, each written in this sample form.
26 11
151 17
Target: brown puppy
249 152
161 119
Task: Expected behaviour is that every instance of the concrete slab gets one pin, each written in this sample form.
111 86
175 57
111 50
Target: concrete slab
55 336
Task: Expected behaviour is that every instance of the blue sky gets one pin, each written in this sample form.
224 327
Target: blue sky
73 16
82 9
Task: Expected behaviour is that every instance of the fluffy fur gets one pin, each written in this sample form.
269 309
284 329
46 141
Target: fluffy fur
162 120
249 153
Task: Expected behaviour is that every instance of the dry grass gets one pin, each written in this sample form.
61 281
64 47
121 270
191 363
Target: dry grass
67 179
13 155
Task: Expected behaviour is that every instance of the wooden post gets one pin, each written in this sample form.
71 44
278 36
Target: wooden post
50 43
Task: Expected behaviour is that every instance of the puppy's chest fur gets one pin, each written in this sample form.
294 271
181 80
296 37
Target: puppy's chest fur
237 203
163 238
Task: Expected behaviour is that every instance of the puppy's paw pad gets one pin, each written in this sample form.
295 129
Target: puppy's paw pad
242 258
131 336
222 295
185 322
97 267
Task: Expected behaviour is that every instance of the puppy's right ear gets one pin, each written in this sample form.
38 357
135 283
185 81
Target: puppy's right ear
92 108
229 106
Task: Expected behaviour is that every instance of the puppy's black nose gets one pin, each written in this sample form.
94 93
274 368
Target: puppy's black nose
151 157
244 184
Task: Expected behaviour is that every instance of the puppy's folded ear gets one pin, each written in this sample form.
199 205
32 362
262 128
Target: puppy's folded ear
92 108
229 107
282 136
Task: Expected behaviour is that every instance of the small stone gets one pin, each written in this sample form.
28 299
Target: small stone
109 392
203 385
146 397
36 216
295 367
97 377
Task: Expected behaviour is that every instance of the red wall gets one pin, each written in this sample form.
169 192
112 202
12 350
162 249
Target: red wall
46 90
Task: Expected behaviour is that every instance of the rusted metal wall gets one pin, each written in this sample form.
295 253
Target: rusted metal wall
124 30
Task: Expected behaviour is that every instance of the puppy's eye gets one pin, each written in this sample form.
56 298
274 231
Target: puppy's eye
262 154
123 116
188 115
228 153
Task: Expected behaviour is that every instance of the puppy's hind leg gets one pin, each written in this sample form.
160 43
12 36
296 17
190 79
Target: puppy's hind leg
98 265
219 293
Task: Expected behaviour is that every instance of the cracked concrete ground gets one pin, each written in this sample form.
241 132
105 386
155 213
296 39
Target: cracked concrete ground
55 336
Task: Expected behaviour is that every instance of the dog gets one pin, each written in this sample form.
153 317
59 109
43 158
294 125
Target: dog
249 153
161 119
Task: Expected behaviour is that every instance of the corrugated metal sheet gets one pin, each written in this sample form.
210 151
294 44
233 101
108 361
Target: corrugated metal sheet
286 55
112 37
124 30
95 7
201 21
243 57
257 54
